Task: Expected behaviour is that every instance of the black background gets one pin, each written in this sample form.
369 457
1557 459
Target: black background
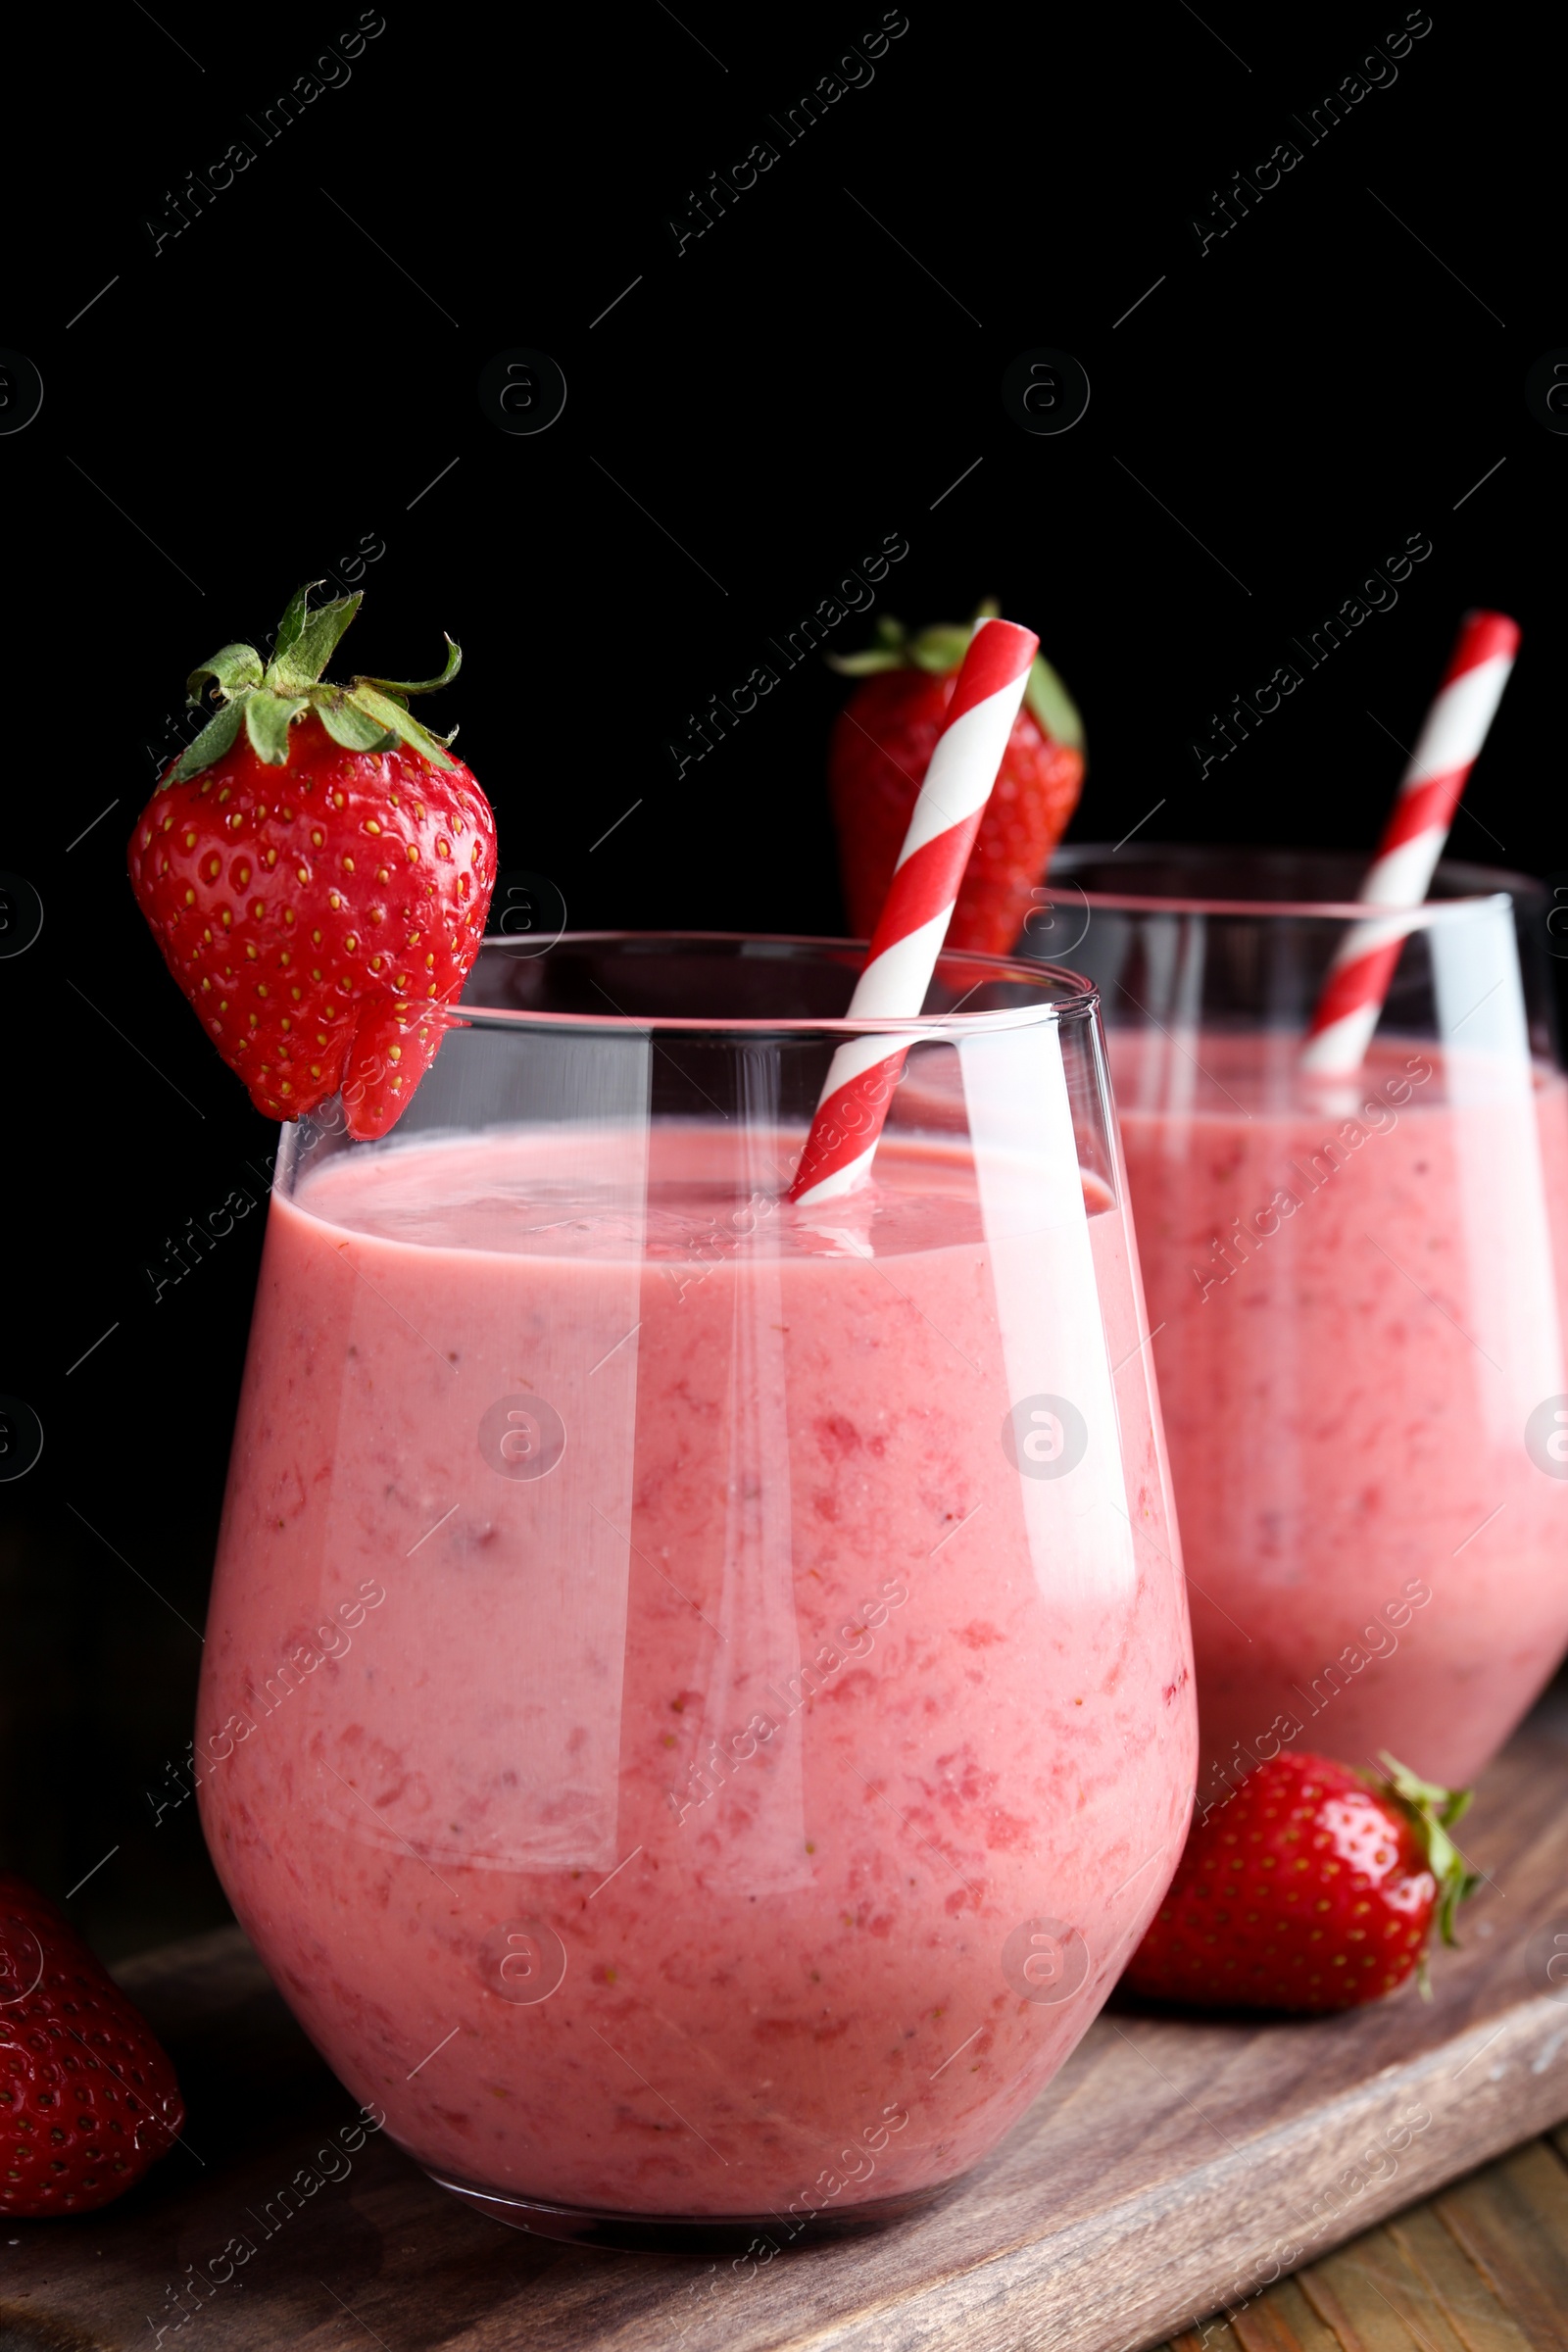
292 378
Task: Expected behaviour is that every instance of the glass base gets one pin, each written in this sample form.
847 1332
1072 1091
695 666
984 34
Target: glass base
686 2233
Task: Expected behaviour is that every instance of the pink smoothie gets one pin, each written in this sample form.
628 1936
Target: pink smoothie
751 1810
1362 1301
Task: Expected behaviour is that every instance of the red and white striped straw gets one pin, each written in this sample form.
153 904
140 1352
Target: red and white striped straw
1400 874
914 917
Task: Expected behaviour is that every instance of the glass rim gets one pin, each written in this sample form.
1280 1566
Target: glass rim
1421 914
1079 997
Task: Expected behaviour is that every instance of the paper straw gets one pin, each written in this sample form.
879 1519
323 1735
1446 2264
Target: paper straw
914 917
1400 874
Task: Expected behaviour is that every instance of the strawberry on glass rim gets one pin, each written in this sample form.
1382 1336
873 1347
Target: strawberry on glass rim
316 869
878 754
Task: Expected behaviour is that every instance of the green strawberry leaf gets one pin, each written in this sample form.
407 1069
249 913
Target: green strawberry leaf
1052 706
866 664
392 716
368 714
305 659
1434 1810
1414 1789
293 620
354 729
937 650
888 653
213 741
1456 1891
267 723
940 648
405 686
230 668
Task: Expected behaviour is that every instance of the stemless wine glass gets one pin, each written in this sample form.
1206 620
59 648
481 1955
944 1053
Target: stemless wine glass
698 1698
1358 1291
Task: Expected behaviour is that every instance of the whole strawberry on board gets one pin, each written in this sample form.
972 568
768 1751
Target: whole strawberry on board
89 2100
878 754
1312 1887
317 868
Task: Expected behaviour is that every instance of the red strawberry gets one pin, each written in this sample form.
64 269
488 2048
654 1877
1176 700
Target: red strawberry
317 868
1311 1887
881 745
88 2102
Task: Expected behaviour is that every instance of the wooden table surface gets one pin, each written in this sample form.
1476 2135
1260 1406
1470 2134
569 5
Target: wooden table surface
1483 2268
1174 2166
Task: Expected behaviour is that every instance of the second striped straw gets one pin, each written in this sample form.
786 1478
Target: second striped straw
1400 874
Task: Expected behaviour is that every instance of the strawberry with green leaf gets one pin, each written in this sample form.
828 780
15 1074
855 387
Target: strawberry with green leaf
881 746
317 868
1312 1887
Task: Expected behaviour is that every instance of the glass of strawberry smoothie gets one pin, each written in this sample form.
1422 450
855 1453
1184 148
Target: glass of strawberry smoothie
1358 1291
697 1707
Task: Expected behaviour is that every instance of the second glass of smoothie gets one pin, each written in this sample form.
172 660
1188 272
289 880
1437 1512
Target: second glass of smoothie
1358 1294
697 1703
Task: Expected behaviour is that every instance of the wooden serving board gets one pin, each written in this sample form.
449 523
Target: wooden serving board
1172 2165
